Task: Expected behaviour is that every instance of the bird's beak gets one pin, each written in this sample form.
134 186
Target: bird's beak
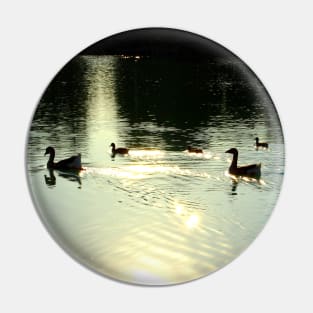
46 153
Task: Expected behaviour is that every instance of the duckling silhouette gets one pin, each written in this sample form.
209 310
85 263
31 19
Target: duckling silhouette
260 144
253 170
118 150
194 150
74 162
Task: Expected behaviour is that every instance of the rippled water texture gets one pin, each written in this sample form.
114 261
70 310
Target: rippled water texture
160 215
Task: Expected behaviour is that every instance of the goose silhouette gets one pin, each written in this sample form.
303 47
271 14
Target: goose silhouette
260 144
253 170
74 162
118 150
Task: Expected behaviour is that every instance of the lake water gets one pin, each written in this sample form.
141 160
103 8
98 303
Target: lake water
159 215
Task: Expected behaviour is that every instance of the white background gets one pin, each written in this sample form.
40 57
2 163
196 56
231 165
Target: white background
274 38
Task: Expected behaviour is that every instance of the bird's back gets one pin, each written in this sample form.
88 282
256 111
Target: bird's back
74 162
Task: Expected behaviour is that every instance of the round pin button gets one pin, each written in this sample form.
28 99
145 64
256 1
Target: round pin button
155 156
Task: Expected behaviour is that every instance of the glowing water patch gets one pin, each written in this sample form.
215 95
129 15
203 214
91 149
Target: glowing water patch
146 153
138 171
192 221
179 208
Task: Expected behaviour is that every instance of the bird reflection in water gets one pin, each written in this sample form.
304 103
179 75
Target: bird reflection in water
234 184
50 180
236 179
71 175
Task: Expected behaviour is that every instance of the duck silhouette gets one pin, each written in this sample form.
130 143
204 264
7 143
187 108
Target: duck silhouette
72 163
253 170
260 144
118 150
194 150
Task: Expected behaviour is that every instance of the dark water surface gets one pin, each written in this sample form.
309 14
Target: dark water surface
159 215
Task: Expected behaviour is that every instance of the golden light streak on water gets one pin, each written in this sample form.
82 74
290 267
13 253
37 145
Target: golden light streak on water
146 153
138 171
227 174
204 155
247 179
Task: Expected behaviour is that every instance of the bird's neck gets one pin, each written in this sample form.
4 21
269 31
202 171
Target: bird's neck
234 161
51 159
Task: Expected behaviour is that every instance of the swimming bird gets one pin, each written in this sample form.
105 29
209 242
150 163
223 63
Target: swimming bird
260 144
194 150
253 170
74 162
118 150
